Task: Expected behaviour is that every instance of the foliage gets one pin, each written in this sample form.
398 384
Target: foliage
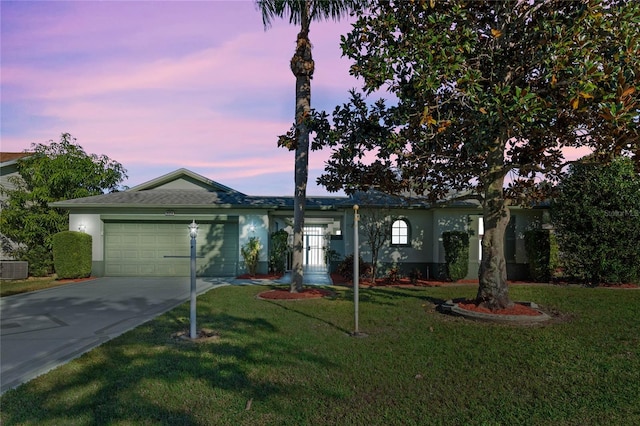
417 367
54 172
302 66
345 268
597 218
482 91
251 254
40 259
415 275
377 231
456 254
13 287
330 256
72 254
279 250
393 273
542 254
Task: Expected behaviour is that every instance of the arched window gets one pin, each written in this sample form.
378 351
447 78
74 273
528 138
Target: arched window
400 232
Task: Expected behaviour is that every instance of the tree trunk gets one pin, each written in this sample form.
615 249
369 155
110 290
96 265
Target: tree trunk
302 66
493 292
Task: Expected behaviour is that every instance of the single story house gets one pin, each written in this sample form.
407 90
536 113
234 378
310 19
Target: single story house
143 231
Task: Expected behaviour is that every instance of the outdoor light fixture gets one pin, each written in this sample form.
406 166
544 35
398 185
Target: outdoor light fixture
193 229
82 227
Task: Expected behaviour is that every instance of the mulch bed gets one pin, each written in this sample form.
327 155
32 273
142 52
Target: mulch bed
74 280
402 282
620 285
285 294
516 309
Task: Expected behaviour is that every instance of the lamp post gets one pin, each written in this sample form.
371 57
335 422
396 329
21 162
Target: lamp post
356 267
193 233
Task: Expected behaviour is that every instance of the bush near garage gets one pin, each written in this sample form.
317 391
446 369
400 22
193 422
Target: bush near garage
72 254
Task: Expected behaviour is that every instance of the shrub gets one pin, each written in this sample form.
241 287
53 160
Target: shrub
279 250
251 253
415 275
597 220
346 267
393 273
39 258
456 254
542 254
72 254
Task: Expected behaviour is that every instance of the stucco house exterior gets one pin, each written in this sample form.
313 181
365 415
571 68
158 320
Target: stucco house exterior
143 231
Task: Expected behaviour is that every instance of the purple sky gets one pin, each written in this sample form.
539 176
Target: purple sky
158 86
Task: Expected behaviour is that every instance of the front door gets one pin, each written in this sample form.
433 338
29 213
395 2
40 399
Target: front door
314 240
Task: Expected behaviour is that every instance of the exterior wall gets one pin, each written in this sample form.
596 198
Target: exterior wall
426 251
93 222
254 225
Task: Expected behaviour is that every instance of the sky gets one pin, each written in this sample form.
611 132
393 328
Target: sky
163 85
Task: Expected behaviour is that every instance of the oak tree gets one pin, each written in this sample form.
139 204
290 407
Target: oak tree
51 172
486 98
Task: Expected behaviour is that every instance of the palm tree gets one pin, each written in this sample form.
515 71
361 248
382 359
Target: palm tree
302 12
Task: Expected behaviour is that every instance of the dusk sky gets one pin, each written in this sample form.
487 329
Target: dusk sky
160 85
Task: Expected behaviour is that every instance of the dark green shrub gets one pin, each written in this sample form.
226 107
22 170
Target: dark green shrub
542 254
597 221
279 251
39 258
72 254
345 268
456 254
415 275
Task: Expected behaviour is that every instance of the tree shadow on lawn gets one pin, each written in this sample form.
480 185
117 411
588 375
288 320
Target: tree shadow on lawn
287 306
147 376
387 296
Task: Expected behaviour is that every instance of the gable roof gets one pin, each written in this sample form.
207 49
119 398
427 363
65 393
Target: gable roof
187 176
184 188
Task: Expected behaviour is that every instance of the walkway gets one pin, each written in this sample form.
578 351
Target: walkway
312 275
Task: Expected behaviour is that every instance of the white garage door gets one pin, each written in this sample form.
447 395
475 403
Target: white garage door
150 249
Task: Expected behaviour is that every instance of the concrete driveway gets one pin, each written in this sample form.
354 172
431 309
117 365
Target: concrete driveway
44 329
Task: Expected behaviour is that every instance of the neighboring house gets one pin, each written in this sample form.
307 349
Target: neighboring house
143 231
8 168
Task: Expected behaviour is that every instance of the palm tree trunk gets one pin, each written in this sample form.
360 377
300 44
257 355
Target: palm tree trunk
302 66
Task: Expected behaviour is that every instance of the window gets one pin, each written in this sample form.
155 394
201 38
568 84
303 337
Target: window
400 232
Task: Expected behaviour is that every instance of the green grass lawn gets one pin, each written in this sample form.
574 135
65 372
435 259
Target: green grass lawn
293 363
11 287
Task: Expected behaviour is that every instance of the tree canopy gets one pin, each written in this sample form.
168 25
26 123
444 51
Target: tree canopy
488 98
52 172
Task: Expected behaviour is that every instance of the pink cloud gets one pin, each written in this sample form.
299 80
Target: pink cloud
163 85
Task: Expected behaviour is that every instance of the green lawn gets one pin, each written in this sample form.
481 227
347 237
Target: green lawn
11 287
293 363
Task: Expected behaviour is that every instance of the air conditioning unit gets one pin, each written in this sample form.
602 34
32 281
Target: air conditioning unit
14 270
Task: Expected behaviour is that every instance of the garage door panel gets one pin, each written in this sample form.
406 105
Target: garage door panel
141 249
